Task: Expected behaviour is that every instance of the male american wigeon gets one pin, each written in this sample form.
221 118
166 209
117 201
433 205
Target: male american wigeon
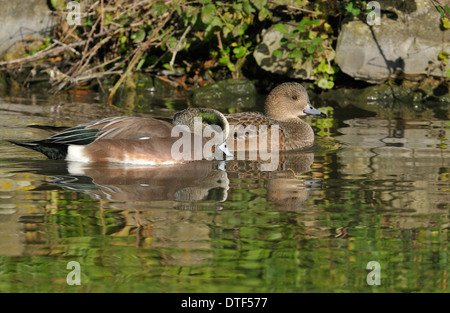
284 106
136 140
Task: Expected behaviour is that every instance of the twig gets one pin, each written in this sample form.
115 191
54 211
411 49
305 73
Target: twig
101 16
143 47
53 51
65 45
301 9
174 53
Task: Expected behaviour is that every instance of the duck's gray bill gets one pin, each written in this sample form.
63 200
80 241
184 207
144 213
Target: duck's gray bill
313 111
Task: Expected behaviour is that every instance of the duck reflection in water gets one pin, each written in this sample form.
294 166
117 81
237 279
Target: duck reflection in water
189 182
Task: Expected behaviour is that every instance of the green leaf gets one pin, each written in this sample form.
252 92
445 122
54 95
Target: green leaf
301 43
311 49
141 63
172 43
443 55
216 21
191 14
59 5
139 36
239 30
296 54
330 70
322 83
123 40
447 71
208 13
239 52
248 9
352 9
227 29
322 67
317 41
231 67
259 4
301 28
158 9
445 22
224 60
167 66
281 28
440 10
263 13
291 45
277 53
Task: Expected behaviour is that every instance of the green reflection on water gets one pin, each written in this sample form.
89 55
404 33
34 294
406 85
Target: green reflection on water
241 250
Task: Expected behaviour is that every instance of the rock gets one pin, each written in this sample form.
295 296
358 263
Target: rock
229 93
23 20
408 38
427 93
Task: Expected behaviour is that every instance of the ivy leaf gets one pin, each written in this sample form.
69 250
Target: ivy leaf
352 9
281 28
208 13
263 13
239 52
291 45
311 49
317 41
248 9
259 4
296 54
277 53
224 60
239 30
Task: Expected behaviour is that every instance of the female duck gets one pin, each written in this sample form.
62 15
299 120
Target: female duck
284 106
135 140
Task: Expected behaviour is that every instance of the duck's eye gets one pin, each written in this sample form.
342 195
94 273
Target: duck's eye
294 97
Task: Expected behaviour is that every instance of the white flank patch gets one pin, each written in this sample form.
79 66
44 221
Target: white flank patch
76 153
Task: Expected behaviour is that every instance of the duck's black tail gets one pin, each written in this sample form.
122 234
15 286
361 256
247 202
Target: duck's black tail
53 151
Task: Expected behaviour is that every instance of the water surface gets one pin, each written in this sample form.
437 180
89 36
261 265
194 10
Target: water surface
375 187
